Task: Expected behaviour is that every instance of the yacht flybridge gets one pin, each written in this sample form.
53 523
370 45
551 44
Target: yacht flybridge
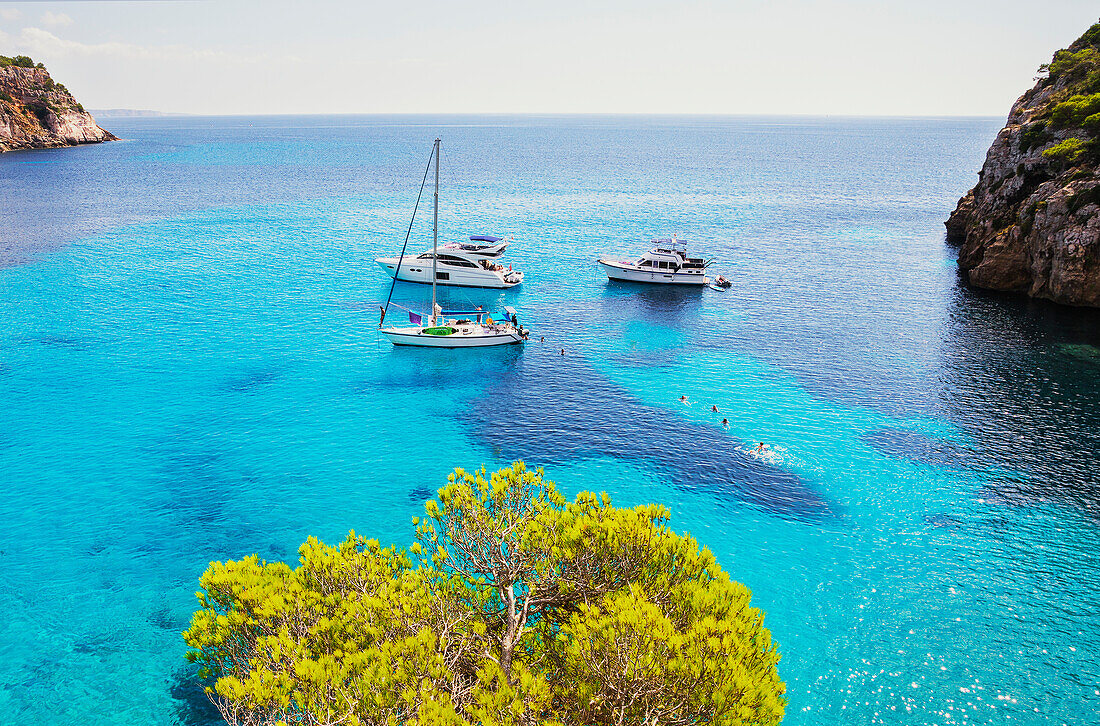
483 245
464 328
460 264
667 263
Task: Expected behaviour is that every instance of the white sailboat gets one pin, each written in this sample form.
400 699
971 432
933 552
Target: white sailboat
464 329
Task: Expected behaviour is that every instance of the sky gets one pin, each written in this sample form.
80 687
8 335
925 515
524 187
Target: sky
821 57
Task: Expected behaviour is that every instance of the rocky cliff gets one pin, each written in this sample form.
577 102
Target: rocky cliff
1032 223
36 113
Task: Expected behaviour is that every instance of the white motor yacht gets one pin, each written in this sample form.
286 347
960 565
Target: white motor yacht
666 263
458 265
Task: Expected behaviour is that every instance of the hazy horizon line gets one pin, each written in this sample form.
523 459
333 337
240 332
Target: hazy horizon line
152 113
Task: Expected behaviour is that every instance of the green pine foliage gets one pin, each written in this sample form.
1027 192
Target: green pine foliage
1032 135
20 61
513 606
1075 110
1079 65
1067 151
1074 65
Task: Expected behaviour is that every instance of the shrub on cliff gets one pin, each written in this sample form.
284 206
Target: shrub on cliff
1067 151
512 607
20 61
1070 63
41 110
1078 67
1033 135
1075 110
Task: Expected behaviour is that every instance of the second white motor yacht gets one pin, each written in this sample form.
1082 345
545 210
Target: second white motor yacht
668 263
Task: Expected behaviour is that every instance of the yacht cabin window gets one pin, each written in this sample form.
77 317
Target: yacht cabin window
455 261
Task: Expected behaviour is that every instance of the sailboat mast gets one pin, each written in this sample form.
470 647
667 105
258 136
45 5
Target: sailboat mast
435 230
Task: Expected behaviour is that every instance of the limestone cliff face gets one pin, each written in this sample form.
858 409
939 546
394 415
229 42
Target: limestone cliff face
36 113
1032 223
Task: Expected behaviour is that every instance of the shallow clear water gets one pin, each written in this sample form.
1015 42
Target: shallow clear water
189 371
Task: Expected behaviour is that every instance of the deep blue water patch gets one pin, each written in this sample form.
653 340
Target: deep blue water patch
920 448
249 381
192 707
555 412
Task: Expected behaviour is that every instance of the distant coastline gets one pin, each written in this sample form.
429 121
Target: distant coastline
131 113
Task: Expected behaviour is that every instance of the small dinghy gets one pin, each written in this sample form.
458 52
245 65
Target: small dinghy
719 283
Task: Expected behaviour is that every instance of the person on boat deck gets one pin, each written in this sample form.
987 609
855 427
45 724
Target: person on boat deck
515 320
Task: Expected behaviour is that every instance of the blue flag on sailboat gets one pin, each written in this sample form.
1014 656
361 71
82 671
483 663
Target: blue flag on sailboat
414 318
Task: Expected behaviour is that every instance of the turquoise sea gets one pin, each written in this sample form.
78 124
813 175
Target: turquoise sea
190 371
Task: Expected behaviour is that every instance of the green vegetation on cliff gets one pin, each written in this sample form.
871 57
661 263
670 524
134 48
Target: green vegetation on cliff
512 607
1075 72
20 61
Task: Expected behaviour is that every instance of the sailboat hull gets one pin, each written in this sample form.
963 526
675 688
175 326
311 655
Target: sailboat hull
415 336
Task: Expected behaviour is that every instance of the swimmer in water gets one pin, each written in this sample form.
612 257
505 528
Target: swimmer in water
684 400
761 448
713 409
726 423
563 351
